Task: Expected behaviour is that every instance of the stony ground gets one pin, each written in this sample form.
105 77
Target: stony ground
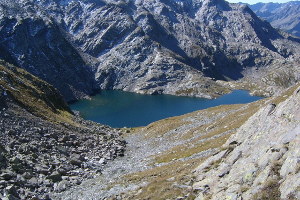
159 159
185 157
146 46
39 157
46 152
261 161
44 148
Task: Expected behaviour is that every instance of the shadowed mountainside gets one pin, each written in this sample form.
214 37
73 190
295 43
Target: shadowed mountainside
167 46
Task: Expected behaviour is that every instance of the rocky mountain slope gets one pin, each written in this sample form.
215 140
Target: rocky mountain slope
284 16
160 158
43 146
166 46
260 161
147 46
211 153
248 151
39 46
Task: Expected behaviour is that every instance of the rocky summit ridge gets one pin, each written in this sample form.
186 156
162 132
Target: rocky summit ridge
166 46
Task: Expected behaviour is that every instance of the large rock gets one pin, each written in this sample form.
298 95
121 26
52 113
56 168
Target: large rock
263 163
76 159
3 159
55 176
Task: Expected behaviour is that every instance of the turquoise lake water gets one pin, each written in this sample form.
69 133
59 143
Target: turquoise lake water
123 109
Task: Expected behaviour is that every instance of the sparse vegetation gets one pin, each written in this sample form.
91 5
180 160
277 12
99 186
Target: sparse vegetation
213 137
170 167
40 132
270 189
166 182
44 101
285 95
269 192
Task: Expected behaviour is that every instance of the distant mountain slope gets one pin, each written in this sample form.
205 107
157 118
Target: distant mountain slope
285 16
165 46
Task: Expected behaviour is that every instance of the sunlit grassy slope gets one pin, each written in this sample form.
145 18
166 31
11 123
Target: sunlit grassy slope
33 94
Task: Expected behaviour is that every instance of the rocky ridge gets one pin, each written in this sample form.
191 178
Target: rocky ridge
284 16
39 46
167 46
260 161
44 148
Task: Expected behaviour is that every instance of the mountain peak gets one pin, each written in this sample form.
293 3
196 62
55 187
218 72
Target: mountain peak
284 16
153 46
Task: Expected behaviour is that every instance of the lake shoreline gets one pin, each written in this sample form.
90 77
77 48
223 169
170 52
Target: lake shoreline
120 109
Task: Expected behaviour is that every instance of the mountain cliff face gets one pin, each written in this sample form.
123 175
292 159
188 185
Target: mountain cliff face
39 46
147 46
284 16
167 46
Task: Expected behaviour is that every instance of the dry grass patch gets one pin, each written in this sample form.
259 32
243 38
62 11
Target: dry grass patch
165 182
285 95
161 127
187 150
269 192
226 125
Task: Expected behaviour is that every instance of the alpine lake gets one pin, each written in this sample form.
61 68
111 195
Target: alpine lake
125 109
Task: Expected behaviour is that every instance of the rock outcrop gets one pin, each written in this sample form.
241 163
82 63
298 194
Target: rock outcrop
284 16
39 46
260 161
44 148
165 46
